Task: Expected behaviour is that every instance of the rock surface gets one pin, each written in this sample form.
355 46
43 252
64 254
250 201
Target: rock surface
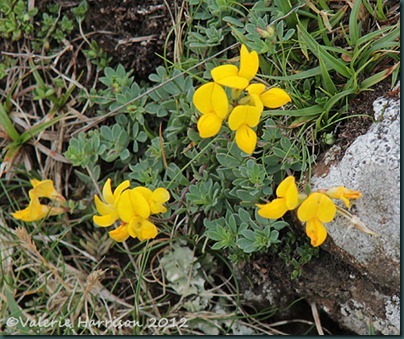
356 278
371 165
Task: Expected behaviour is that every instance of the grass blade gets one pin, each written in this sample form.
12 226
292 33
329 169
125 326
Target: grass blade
317 49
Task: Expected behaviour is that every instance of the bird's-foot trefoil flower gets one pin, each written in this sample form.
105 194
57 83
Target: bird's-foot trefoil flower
234 77
37 211
247 99
46 189
243 119
317 209
120 234
287 199
211 100
272 98
136 205
132 207
343 193
108 209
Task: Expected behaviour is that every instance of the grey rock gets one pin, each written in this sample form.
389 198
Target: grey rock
371 165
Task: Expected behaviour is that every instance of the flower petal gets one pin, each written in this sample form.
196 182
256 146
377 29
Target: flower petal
139 204
255 89
228 75
244 114
287 189
107 192
147 231
133 227
316 232
249 63
125 208
105 220
144 191
275 97
307 209
35 211
103 208
327 209
209 125
121 187
211 98
159 197
317 205
119 234
45 189
246 139
344 194
273 210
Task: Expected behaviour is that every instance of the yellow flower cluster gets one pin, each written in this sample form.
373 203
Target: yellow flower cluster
37 211
245 113
133 207
314 210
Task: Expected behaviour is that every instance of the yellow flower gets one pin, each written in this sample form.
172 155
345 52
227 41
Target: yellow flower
120 234
36 211
134 210
211 100
316 232
108 209
315 210
45 189
288 199
233 77
242 119
272 98
343 193
155 199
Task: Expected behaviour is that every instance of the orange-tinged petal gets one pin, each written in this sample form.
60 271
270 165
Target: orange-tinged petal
209 125
244 115
119 234
249 63
211 98
273 210
316 232
344 194
147 231
275 97
287 189
107 192
158 198
105 220
246 139
103 208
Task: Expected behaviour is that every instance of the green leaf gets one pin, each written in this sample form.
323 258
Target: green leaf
308 111
8 126
355 27
317 50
